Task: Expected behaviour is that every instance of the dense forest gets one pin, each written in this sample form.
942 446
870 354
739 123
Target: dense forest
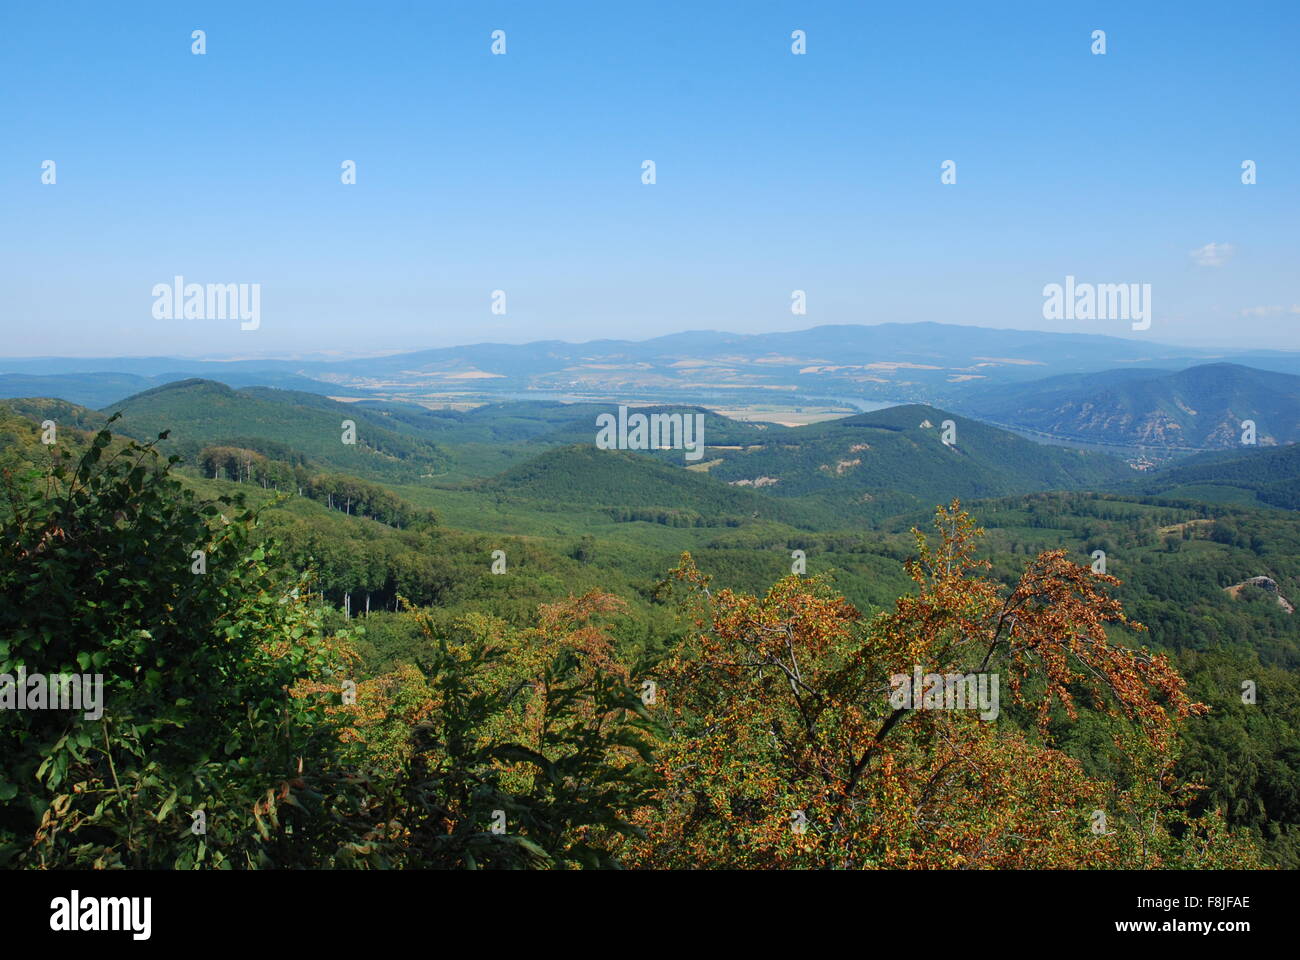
599 658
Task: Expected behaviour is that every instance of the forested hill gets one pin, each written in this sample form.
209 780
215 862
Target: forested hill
1268 476
201 413
637 487
896 459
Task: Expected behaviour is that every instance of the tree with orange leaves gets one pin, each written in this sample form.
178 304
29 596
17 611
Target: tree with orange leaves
787 744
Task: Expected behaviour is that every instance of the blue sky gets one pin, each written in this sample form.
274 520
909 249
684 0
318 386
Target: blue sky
522 172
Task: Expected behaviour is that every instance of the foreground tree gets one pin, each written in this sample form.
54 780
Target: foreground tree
789 745
112 569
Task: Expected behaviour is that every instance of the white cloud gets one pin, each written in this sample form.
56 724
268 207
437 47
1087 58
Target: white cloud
1213 254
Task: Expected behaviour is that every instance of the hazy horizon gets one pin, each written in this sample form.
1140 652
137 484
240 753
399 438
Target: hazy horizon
344 354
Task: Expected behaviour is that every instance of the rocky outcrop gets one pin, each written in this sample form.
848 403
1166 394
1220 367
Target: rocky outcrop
1268 585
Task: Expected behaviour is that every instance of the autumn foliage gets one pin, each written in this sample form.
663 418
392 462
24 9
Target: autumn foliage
782 749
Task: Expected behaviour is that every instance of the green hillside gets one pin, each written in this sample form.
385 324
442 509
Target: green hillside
894 459
201 413
641 487
1264 476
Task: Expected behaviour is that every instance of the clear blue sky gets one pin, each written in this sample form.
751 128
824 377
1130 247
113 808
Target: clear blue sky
523 172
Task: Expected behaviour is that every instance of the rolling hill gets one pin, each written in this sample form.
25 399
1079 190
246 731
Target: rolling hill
1267 477
638 487
894 459
201 413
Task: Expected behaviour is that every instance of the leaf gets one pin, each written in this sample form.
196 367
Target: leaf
165 808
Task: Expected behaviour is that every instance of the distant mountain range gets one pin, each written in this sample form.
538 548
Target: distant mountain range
1193 409
928 362
102 388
